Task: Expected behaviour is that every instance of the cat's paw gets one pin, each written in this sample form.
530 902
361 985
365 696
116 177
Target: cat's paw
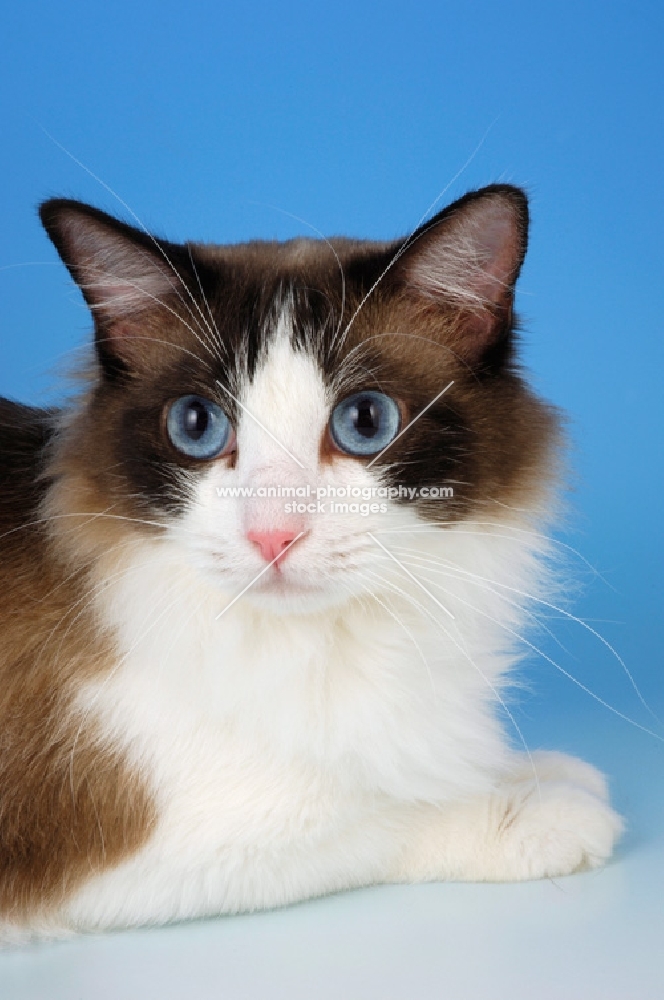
556 828
545 766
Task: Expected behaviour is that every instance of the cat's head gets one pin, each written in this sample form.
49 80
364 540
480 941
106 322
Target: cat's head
340 382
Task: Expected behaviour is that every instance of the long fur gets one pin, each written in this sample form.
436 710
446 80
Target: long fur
189 731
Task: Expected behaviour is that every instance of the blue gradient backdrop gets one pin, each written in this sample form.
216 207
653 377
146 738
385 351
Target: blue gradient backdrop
225 121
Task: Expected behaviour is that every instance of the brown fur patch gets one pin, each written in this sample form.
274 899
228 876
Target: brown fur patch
502 440
69 806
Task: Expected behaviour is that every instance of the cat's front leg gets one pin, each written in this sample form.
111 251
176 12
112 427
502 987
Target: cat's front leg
550 817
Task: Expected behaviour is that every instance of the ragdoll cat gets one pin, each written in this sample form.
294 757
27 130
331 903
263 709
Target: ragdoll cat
213 702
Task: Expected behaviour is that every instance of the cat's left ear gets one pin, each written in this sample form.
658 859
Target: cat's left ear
463 265
122 272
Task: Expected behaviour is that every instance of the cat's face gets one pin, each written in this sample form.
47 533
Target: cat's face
275 407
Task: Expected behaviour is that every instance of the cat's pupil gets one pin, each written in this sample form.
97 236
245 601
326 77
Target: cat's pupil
366 420
196 420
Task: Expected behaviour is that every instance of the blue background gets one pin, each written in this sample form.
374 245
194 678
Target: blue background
222 121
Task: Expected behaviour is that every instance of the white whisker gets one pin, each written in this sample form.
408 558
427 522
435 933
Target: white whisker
408 573
474 577
258 576
261 425
133 214
554 663
410 424
411 240
464 652
324 238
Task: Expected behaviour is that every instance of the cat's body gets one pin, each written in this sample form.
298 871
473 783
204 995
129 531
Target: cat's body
213 703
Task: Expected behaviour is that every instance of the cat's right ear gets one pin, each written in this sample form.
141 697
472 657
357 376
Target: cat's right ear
122 272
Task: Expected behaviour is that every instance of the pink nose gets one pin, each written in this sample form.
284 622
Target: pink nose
272 544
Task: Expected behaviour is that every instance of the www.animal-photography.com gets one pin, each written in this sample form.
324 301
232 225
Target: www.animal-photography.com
330 479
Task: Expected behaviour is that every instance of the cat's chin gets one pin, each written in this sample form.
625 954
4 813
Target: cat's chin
283 596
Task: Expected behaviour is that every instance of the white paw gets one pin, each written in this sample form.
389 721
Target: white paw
555 829
550 766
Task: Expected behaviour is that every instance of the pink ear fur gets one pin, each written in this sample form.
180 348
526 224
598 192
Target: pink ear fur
470 259
117 277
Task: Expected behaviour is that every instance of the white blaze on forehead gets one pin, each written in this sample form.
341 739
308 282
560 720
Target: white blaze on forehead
286 397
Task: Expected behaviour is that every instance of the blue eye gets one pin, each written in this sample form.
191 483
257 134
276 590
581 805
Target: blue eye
197 427
365 423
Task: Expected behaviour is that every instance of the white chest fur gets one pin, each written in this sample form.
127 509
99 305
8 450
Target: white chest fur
266 739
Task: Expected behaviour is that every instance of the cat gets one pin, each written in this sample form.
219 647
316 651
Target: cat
217 694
